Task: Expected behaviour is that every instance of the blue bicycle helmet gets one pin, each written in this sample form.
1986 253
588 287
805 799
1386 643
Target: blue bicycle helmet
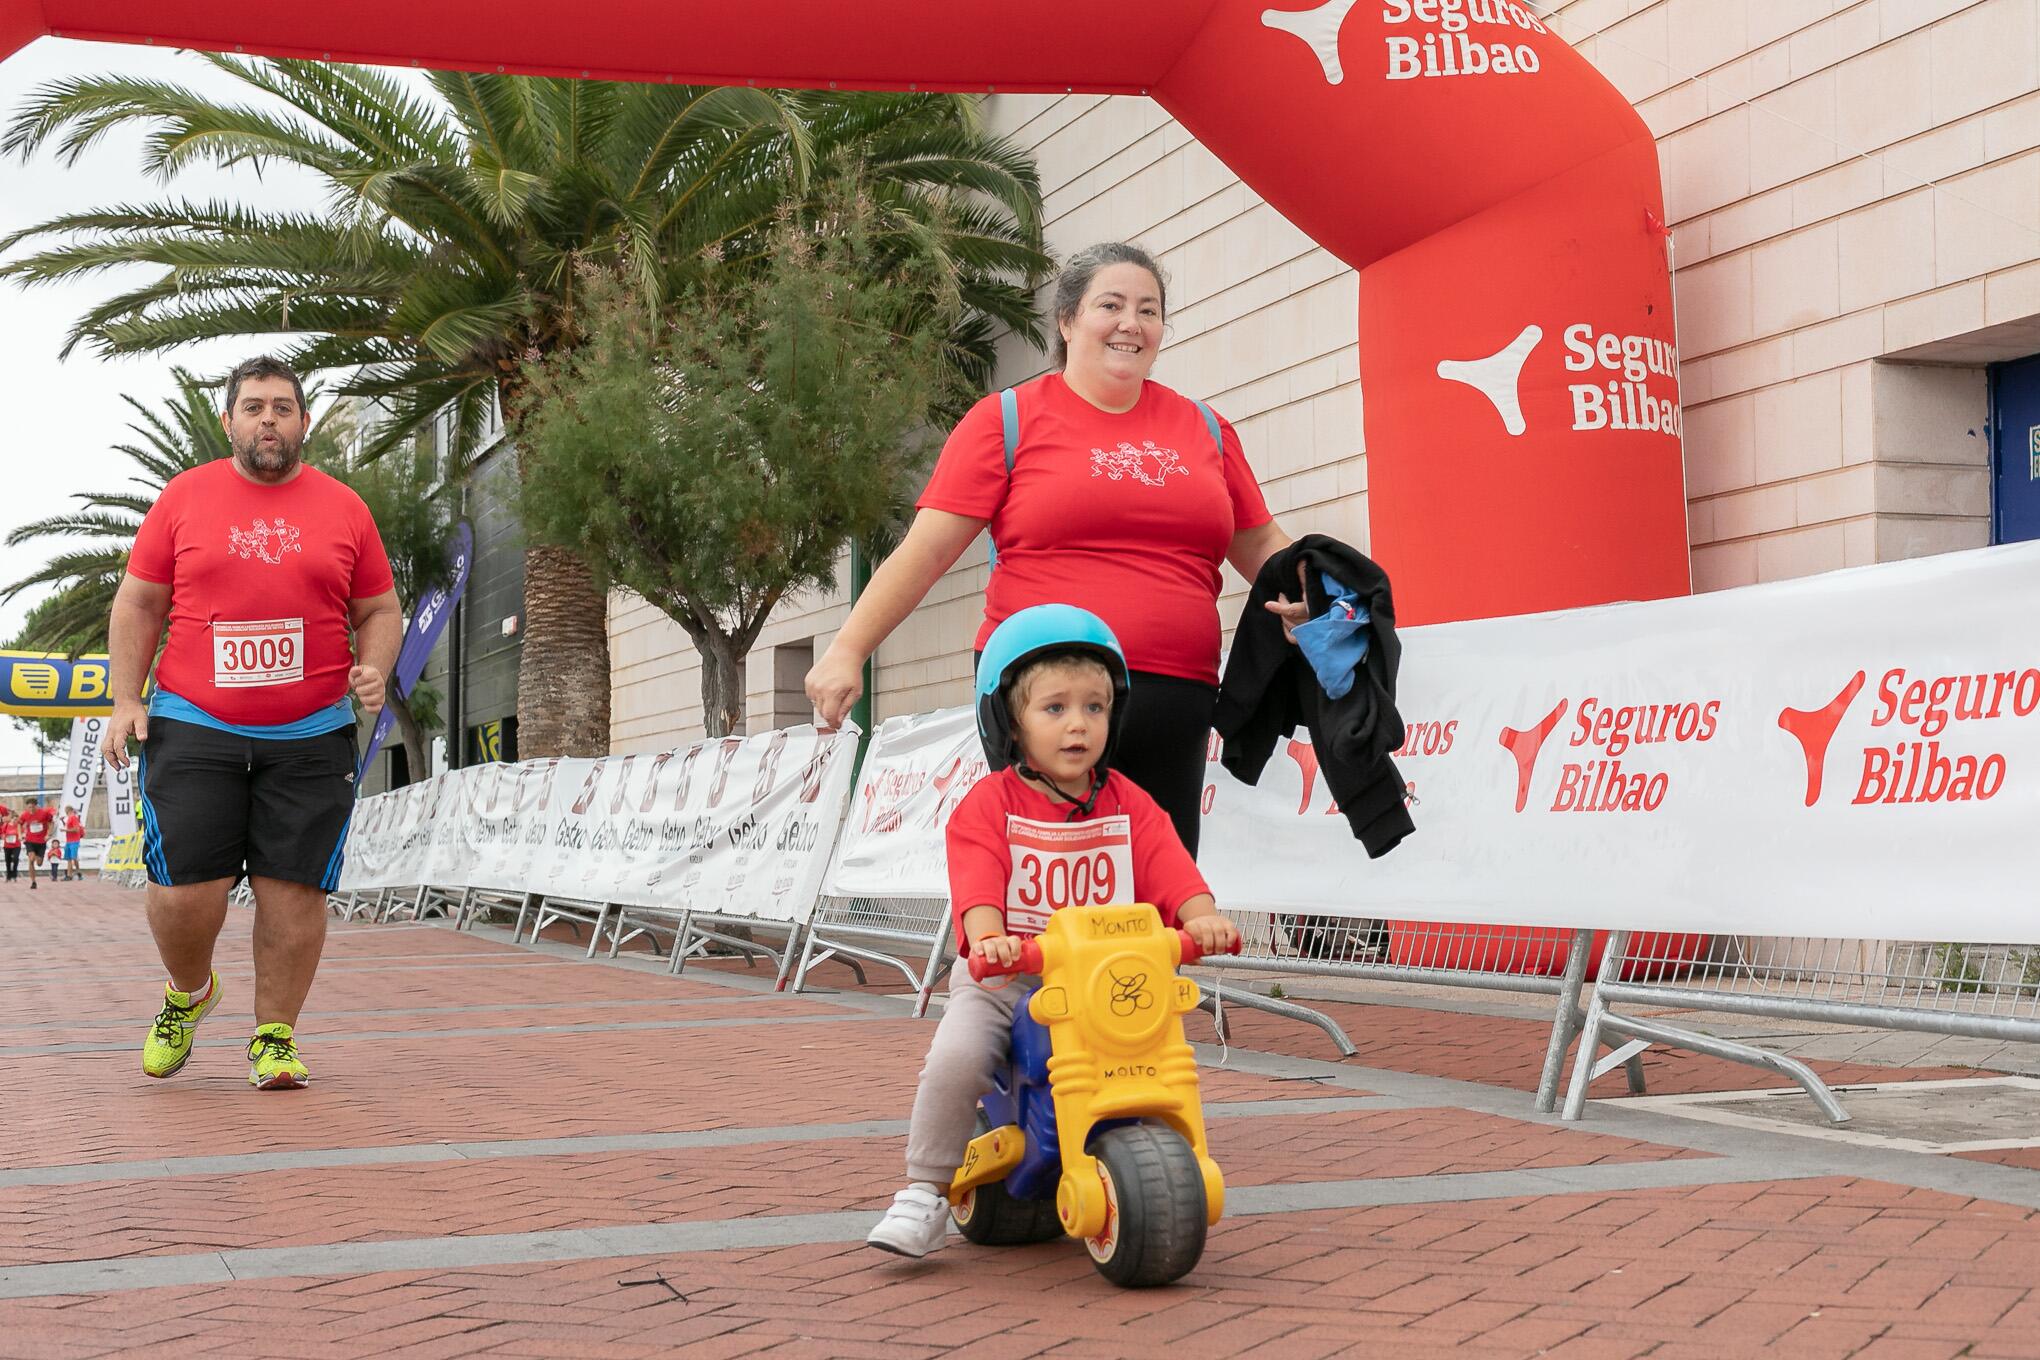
1034 632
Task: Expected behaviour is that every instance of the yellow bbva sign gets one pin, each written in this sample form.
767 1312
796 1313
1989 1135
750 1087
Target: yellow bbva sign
51 685
123 854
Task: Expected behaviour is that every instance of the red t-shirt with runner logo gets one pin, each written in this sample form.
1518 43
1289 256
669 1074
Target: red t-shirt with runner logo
260 578
1015 848
1127 515
35 825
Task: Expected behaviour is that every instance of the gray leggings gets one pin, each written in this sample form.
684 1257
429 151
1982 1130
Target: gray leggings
972 1041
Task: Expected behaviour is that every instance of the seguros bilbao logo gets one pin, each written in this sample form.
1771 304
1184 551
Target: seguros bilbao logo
1608 775
1434 39
1924 749
1616 382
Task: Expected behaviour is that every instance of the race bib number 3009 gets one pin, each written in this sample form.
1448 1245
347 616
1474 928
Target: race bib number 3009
264 652
1066 864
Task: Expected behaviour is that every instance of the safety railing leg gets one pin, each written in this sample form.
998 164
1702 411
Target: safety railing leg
1565 1022
1590 1031
794 942
1734 1052
681 949
601 918
807 958
1289 1010
935 969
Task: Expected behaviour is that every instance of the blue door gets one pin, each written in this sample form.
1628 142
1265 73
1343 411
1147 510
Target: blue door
2015 456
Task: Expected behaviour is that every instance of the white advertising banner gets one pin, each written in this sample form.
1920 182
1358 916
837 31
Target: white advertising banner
81 772
120 797
743 826
1855 754
915 773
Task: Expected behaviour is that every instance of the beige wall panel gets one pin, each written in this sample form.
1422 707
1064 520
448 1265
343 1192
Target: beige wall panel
1883 96
1982 56
1887 250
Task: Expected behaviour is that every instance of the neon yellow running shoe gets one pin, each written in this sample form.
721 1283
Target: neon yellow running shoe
168 1046
273 1061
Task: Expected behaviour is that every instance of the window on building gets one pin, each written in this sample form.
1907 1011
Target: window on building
791 662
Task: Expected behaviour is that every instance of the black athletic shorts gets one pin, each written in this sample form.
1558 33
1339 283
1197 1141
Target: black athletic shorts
218 805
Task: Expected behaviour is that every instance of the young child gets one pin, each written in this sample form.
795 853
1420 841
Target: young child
1051 698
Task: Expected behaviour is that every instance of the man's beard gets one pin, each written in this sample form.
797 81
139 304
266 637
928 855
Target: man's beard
282 457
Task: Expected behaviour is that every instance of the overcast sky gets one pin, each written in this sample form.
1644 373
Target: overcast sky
60 418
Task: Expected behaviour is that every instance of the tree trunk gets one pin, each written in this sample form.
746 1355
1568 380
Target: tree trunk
412 737
563 670
722 685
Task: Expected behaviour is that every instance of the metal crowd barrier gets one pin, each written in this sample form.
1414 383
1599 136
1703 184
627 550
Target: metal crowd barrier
693 932
1536 961
1978 991
864 929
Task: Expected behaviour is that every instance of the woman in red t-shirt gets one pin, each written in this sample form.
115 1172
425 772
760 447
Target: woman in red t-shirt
1118 502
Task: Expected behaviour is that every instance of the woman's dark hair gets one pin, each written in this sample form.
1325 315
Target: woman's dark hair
1075 281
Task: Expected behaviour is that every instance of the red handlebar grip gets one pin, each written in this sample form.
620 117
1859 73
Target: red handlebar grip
1192 952
1030 962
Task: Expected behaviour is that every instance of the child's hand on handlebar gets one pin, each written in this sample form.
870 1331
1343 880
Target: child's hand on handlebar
1214 934
1003 950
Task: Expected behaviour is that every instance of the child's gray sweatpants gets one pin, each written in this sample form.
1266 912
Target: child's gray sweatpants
972 1041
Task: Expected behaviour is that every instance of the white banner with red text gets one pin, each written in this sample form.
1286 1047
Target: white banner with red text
740 826
1855 754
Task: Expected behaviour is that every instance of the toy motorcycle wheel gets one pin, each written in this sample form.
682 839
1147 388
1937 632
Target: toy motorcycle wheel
1154 1207
991 1217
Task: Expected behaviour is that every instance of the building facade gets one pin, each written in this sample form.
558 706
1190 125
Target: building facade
1854 192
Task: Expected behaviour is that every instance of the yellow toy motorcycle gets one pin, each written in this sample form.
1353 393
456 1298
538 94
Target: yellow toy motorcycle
1097 1130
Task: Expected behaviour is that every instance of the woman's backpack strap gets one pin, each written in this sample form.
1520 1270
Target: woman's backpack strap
1210 423
1009 420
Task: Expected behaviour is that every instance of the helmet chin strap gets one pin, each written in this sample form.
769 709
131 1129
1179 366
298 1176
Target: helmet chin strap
1079 807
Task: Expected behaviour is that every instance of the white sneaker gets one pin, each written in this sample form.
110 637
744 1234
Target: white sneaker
917 1223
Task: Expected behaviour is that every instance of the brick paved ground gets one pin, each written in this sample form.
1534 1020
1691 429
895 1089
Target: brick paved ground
509 1151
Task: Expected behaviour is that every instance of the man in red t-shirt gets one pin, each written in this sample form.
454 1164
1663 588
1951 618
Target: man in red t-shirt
1053 826
261 566
35 834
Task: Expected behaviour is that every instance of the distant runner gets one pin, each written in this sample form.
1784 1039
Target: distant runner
35 835
74 839
261 566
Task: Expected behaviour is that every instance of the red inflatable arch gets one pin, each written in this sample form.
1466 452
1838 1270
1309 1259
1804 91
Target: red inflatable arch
1498 197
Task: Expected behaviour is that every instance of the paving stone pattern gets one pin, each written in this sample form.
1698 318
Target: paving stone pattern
496 1132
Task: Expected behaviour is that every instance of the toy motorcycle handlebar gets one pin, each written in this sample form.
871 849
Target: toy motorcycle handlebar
1030 958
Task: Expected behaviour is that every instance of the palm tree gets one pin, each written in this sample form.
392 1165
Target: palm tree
82 578
457 226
